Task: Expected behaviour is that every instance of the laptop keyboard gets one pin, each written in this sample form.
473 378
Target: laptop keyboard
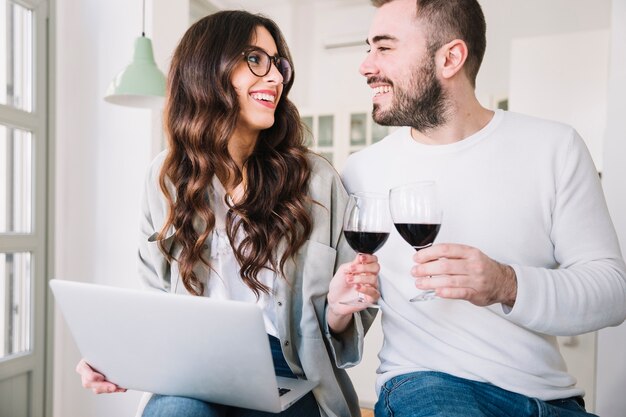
283 391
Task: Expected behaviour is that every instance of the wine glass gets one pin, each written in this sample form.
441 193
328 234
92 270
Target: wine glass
366 226
416 213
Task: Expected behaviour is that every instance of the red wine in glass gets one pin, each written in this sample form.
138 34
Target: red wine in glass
418 235
417 214
366 227
366 242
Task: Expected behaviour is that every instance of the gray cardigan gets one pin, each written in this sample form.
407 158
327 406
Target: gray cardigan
300 295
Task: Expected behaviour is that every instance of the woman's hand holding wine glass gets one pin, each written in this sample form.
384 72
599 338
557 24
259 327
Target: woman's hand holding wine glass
366 228
359 275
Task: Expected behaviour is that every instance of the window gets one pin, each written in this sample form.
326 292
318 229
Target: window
23 205
336 136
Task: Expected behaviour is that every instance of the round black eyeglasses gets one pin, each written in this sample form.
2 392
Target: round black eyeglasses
260 63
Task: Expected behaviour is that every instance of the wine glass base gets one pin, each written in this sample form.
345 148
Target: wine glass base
425 296
359 302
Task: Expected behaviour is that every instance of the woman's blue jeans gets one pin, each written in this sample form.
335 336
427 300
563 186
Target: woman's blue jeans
422 394
171 406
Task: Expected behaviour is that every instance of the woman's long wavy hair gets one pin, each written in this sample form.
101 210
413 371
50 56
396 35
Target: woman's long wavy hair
200 117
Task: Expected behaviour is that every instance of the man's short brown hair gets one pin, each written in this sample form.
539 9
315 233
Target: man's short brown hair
447 20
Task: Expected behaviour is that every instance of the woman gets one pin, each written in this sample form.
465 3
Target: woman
237 208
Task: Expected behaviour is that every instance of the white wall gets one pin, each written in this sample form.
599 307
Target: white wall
564 77
172 20
509 19
611 361
102 151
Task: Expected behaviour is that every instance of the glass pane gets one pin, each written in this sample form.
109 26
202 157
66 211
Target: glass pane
308 130
16 156
357 129
325 131
378 132
16 55
15 305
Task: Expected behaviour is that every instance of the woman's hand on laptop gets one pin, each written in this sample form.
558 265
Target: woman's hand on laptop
360 274
95 381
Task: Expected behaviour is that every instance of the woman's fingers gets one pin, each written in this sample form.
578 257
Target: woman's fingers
364 258
363 273
370 291
87 374
82 367
365 268
95 381
363 279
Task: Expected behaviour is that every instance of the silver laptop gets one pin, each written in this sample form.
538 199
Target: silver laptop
213 350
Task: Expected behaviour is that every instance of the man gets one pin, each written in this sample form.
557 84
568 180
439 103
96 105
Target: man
526 249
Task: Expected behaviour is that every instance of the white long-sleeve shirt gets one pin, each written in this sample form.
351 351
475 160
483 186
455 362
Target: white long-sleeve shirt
526 193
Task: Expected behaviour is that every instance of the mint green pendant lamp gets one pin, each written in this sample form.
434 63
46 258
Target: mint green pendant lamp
140 84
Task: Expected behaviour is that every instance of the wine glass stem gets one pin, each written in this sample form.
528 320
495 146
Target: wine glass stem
425 295
360 295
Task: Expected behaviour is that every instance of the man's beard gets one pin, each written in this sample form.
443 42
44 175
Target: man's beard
423 105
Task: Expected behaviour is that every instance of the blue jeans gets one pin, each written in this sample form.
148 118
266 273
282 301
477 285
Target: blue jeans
422 394
171 406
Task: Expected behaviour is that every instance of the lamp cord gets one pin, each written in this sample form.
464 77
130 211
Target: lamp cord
143 21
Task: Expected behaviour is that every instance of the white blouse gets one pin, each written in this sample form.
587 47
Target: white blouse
224 281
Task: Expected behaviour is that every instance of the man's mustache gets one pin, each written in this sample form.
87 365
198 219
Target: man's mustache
372 80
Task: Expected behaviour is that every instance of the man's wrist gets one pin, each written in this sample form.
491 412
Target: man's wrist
509 288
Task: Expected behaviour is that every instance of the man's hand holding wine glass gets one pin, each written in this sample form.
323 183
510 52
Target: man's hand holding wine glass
464 272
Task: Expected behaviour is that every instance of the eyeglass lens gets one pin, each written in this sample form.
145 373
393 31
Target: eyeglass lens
260 63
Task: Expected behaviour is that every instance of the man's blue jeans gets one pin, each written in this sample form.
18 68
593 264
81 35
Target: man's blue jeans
422 394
